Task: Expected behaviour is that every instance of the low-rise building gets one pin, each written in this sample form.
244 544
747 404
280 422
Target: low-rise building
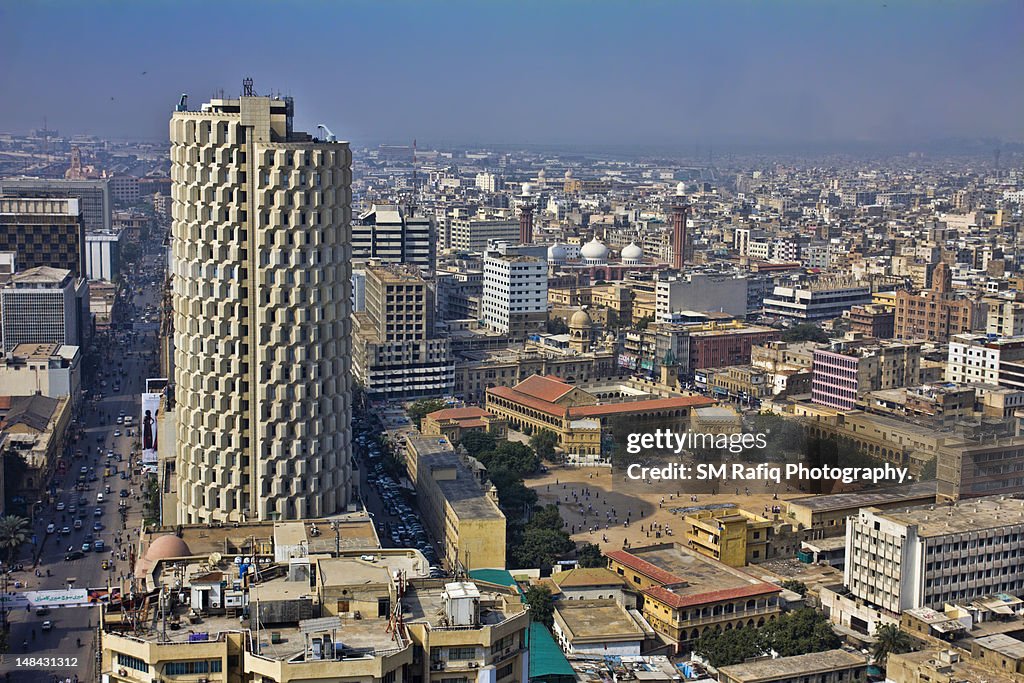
686 594
458 505
453 423
967 468
578 414
830 666
826 515
737 537
941 666
598 627
47 369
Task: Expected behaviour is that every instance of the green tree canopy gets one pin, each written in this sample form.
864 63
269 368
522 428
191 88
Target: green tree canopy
723 648
889 640
543 443
13 533
590 555
542 607
797 587
422 407
799 632
805 332
477 442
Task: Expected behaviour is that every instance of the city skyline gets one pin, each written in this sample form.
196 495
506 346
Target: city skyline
675 75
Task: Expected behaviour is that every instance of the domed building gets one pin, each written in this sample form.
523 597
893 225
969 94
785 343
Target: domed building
594 253
163 547
557 254
631 255
581 329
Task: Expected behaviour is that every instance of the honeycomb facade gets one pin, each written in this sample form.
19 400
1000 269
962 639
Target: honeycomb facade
261 300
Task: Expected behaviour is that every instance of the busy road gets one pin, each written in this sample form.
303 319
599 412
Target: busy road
89 517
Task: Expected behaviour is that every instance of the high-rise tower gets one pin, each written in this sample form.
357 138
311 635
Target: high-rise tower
261 302
681 249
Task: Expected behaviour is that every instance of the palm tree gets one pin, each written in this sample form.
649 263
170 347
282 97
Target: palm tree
13 532
889 640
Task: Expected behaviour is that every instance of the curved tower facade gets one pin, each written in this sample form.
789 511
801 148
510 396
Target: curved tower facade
261 299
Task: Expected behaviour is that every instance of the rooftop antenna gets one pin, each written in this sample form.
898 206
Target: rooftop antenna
412 204
247 87
327 134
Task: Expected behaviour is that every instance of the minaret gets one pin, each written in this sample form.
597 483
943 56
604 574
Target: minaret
526 216
680 243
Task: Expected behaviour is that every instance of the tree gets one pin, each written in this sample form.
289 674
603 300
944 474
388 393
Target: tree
543 443
517 457
805 332
889 640
477 442
422 407
589 555
13 532
557 326
723 648
929 471
800 632
797 587
643 322
542 607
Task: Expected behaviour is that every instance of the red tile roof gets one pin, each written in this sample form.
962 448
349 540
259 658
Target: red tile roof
528 401
672 600
653 572
543 387
641 406
458 413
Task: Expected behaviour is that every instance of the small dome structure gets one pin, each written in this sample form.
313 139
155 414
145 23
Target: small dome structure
632 254
680 189
527 188
557 253
594 253
165 547
580 320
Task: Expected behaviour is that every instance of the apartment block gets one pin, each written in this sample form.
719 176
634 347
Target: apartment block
928 556
847 371
392 234
816 302
967 469
514 298
474 234
397 353
44 232
42 305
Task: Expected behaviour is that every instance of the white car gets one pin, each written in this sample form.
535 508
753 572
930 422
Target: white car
51 528
60 506
47 625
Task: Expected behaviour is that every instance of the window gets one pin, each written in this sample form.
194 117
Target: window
197 667
462 653
132 663
504 671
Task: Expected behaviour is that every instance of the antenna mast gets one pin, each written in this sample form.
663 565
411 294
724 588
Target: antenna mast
415 188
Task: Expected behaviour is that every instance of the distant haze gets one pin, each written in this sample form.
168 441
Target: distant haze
574 73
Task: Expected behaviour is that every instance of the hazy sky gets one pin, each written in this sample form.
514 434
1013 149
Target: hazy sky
543 72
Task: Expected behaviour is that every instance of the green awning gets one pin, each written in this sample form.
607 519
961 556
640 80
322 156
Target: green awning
547 663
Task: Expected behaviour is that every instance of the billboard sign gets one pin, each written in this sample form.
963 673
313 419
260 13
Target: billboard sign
148 428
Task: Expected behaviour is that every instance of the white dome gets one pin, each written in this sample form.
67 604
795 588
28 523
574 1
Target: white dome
594 250
526 189
680 189
557 253
632 252
541 174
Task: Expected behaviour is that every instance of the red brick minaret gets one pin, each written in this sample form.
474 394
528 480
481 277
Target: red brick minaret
526 216
680 240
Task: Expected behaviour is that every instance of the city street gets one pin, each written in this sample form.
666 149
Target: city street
106 458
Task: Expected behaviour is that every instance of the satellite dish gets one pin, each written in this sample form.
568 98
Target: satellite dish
215 558
248 560
238 560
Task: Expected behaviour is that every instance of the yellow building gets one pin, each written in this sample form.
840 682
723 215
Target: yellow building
578 417
686 594
732 536
452 423
458 505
